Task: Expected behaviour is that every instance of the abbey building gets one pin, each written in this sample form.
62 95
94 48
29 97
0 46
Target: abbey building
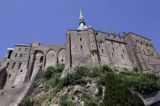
84 46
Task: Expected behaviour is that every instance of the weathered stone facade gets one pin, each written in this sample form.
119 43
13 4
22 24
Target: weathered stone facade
84 47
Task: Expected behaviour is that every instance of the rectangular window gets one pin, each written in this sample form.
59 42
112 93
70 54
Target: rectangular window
81 47
13 65
19 66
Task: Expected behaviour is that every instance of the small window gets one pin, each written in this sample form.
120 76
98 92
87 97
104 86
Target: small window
19 49
19 66
112 54
9 76
16 55
25 49
111 42
102 50
41 59
123 51
21 55
96 33
62 60
122 56
80 39
13 65
21 71
113 49
7 65
81 47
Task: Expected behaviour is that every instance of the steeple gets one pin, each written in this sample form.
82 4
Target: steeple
82 24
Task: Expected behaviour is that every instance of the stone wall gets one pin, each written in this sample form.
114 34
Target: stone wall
21 66
90 48
143 53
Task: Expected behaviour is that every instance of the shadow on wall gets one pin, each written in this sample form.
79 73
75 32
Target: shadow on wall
3 78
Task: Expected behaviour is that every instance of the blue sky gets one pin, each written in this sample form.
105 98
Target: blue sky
23 21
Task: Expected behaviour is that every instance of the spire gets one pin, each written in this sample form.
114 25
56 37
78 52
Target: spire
81 15
81 22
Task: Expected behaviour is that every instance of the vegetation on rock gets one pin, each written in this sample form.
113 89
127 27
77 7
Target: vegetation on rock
120 88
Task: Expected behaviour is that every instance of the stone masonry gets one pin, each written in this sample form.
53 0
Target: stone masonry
83 47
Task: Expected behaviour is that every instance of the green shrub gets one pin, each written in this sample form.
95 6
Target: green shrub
65 101
118 94
89 100
106 68
48 73
135 69
26 101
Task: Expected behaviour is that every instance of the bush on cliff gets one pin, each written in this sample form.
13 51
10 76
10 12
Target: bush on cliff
118 94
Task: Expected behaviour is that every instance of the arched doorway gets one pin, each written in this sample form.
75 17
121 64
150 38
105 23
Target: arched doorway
61 56
50 58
